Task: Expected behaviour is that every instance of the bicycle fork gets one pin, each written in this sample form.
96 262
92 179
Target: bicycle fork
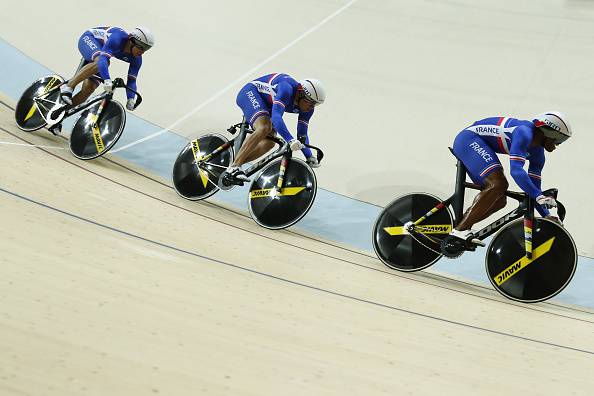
95 126
282 171
528 226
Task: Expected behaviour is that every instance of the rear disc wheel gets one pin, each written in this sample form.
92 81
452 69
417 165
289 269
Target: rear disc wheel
395 247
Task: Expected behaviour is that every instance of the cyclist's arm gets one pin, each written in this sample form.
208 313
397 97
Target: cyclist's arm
302 125
113 43
282 97
521 139
133 70
536 163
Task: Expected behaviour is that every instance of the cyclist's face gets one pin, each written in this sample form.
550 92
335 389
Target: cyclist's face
305 104
549 144
137 51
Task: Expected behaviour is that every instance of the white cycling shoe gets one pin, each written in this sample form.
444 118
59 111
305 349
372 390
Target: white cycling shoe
465 235
232 177
66 94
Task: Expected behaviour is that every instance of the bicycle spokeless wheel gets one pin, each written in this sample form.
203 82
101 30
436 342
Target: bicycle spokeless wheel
92 135
395 247
276 208
553 263
28 112
194 178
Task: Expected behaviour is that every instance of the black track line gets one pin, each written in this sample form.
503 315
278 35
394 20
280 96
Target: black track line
399 275
292 282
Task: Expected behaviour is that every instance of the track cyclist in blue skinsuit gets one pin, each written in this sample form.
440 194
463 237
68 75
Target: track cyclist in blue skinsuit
97 46
264 102
477 145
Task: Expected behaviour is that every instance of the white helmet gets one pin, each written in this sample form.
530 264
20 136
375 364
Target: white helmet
142 37
554 125
313 90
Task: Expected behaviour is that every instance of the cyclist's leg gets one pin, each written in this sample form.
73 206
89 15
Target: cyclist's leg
89 48
84 73
484 168
256 145
88 87
256 113
488 201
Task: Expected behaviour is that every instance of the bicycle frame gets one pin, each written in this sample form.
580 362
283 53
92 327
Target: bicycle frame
456 201
68 111
244 129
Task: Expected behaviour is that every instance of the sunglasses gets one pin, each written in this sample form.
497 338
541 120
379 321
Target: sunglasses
309 101
144 47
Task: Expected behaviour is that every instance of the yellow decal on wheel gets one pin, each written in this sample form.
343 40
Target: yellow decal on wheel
33 108
97 139
97 134
516 267
424 229
31 112
273 192
198 157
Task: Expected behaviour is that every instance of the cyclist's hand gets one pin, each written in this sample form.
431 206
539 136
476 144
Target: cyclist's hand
108 86
313 162
130 104
295 145
546 202
555 219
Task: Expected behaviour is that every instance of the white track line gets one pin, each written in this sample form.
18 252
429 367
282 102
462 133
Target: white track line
33 145
239 79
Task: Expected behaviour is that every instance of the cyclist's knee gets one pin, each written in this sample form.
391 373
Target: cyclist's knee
500 202
262 127
497 183
94 65
89 86
266 144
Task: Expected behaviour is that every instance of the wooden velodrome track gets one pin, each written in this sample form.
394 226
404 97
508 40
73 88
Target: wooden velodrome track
113 285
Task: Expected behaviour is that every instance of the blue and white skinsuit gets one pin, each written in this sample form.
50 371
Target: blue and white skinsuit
476 146
273 95
105 43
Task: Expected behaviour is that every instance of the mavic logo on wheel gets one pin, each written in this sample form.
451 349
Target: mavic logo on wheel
97 138
195 149
516 267
423 229
273 192
434 229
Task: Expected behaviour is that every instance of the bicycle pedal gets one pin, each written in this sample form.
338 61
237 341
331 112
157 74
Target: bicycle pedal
474 242
453 247
227 181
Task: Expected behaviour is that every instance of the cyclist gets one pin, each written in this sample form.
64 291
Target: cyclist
476 146
263 102
97 46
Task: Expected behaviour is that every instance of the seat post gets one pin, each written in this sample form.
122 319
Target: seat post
241 136
458 199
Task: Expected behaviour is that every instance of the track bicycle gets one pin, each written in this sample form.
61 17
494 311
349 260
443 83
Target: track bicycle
281 193
529 259
96 130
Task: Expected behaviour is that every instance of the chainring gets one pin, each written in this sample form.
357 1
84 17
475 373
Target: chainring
453 247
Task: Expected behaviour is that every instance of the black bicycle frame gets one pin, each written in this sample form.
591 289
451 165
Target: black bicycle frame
244 131
117 83
282 151
456 201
